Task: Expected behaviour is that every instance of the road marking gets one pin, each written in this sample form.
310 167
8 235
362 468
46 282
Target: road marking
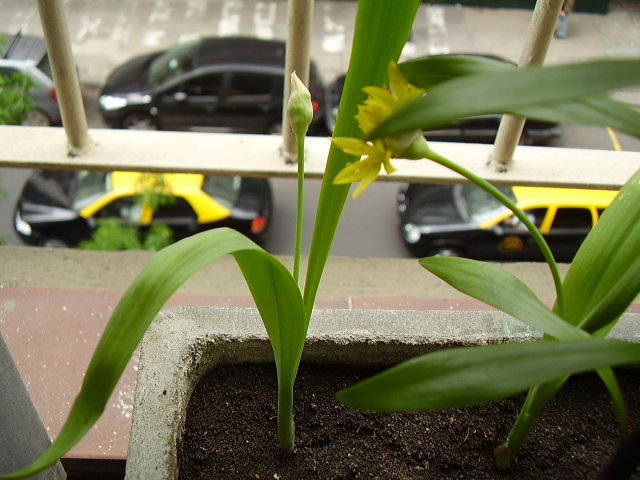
437 32
88 28
264 19
333 38
195 8
229 23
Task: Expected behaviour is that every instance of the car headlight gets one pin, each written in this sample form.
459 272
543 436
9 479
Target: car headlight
411 233
115 102
109 102
21 226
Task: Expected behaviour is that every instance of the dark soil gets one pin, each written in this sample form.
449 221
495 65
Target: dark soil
232 432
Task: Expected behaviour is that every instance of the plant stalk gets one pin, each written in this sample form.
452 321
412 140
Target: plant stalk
286 425
299 210
533 230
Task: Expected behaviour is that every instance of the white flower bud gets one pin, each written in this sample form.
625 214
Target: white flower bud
299 106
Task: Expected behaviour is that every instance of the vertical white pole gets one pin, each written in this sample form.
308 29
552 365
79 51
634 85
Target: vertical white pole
543 24
65 75
299 17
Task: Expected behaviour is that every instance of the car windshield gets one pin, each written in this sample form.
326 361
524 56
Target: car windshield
224 189
172 63
89 187
476 205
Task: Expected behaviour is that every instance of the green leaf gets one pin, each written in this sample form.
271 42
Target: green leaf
521 91
276 294
598 282
427 72
381 31
502 290
469 375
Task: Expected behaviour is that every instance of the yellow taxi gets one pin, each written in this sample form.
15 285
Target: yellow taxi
463 220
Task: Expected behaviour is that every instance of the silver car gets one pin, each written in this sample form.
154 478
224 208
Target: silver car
27 54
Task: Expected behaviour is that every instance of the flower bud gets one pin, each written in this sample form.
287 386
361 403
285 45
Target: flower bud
299 106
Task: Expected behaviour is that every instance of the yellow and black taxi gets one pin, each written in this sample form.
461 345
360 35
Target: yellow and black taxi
62 208
465 221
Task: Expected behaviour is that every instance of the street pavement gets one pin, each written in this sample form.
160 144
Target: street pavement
105 33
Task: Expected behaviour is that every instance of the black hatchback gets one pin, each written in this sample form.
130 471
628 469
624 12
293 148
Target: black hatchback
230 84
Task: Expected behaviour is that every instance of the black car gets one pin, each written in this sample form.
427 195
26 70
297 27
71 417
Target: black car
230 84
465 221
478 129
62 208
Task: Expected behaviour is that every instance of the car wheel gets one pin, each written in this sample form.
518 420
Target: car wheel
274 128
54 243
139 121
36 118
445 252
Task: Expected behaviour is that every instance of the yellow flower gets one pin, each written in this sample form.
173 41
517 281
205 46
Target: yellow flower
380 103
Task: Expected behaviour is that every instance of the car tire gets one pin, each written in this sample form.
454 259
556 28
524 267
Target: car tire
36 118
53 243
139 121
274 128
446 252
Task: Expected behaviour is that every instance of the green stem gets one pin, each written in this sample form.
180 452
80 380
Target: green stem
286 426
502 198
537 398
300 208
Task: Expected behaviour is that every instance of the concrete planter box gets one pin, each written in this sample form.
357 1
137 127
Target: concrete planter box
184 343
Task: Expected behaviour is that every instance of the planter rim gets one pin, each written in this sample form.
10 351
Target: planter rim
183 343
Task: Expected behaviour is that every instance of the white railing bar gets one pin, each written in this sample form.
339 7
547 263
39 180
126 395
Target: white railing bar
259 155
65 75
298 58
543 23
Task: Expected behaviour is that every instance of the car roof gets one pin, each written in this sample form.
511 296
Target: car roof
239 50
530 197
174 180
24 47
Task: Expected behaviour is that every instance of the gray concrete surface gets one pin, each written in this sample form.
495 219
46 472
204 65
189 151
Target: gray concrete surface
184 343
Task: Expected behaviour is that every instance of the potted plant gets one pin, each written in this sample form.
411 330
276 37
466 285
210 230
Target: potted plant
456 90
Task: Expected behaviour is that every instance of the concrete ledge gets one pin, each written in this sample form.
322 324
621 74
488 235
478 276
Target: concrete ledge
183 343
260 155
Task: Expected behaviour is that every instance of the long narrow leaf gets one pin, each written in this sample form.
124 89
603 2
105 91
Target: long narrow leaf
430 71
381 31
465 376
520 88
275 292
502 290
609 251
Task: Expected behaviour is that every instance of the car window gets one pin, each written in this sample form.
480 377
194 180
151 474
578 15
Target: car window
89 187
178 212
536 215
578 218
224 189
124 208
479 205
204 85
247 83
7 70
172 63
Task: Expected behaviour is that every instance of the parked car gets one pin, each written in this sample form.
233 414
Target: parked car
28 54
61 208
230 84
465 221
478 129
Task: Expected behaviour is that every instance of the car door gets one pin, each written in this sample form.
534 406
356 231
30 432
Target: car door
180 216
569 228
510 239
191 103
252 102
